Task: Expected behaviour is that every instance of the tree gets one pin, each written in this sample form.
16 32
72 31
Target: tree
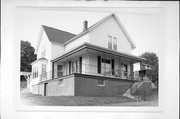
27 56
151 59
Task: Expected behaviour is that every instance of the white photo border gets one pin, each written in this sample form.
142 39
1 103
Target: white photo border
98 108
14 48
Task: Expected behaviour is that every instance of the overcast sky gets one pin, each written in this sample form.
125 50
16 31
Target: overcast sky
143 25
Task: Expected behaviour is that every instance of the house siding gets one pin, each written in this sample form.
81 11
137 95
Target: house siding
77 42
88 86
45 44
99 36
54 89
35 89
57 49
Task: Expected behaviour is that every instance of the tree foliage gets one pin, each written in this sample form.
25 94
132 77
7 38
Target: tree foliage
151 59
27 56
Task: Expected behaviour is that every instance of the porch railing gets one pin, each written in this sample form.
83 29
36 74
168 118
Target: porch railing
91 70
49 75
106 71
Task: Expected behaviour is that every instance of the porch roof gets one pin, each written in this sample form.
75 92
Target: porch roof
98 48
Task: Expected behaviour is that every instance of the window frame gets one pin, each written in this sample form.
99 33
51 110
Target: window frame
101 84
43 53
61 82
112 42
114 45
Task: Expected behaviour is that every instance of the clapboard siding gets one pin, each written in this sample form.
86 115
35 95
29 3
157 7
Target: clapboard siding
77 42
57 49
99 36
45 44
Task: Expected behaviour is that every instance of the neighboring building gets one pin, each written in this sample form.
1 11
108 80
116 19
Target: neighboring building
96 62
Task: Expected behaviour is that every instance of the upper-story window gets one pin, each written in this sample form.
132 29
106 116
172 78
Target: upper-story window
112 43
43 53
115 43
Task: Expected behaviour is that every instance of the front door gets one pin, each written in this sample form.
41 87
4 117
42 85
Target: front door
106 67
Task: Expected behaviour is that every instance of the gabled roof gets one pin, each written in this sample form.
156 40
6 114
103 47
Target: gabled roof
63 37
56 35
102 21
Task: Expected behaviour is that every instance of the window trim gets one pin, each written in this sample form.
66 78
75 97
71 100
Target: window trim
114 43
110 43
112 40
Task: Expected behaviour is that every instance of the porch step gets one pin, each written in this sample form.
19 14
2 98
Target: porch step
138 90
128 94
135 86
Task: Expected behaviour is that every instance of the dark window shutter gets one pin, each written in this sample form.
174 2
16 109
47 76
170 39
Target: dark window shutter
99 64
112 66
53 70
80 64
69 67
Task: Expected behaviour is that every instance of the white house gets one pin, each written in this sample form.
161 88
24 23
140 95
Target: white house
96 62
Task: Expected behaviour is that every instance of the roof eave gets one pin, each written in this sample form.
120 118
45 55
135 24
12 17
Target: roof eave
133 46
79 35
89 29
39 38
88 45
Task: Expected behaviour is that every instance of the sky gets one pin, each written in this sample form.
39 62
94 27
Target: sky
144 25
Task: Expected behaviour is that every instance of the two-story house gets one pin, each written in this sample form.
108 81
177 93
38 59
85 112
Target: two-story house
96 62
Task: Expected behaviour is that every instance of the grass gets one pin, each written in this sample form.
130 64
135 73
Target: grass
31 99
71 100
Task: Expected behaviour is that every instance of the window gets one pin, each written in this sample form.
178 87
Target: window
106 61
33 73
43 70
112 43
61 82
115 43
59 71
101 82
124 69
37 72
43 53
76 66
105 67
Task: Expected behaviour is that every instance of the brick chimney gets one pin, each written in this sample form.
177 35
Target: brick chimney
85 25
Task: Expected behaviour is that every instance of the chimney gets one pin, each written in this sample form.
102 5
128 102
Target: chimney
85 25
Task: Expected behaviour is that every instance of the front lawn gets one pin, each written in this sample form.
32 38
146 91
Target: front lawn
31 99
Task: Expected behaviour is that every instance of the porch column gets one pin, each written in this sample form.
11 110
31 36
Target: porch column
132 71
